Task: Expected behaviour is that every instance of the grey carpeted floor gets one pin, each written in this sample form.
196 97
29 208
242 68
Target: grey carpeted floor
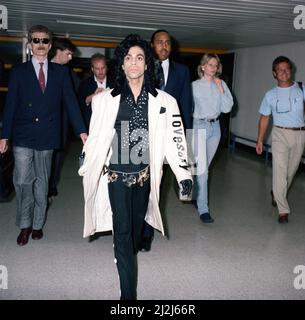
244 254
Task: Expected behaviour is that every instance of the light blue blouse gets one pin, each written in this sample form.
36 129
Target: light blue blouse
209 102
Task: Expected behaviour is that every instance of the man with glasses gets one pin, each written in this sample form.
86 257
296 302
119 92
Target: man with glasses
286 105
32 124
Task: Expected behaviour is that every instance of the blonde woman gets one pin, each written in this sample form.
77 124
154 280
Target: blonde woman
211 98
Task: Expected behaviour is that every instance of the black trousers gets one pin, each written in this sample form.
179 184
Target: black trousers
129 205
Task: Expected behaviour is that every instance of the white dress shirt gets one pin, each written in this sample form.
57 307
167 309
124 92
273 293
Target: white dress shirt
165 67
101 85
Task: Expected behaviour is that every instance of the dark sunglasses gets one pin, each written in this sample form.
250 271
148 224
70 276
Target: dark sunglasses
41 40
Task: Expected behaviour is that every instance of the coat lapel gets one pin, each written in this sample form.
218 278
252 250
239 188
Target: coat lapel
153 113
154 107
93 84
50 78
114 110
171 77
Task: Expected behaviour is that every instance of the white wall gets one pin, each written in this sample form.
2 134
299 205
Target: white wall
87 52
253 77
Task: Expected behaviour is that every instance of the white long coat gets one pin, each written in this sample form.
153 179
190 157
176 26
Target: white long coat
166 140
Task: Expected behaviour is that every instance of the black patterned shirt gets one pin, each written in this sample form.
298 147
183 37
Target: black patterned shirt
131 143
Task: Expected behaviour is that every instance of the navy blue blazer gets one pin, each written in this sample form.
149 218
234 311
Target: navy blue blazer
31 118
179 86
86 88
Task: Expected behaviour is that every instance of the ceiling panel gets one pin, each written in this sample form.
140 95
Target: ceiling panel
226 24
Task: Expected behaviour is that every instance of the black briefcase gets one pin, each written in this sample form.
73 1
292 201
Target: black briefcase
6 175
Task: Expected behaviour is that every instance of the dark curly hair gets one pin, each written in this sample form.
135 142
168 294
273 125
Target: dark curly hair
134 40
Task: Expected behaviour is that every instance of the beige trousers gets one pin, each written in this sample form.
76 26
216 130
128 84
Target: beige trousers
287 150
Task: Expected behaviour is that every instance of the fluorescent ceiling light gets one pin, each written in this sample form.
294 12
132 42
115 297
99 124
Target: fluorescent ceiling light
104 25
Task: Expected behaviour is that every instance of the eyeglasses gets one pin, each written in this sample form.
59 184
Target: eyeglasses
41 40
283 106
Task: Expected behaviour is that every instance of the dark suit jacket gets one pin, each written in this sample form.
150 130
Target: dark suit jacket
86 88
32 119
178 85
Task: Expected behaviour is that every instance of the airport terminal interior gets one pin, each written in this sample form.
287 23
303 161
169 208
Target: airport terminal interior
246 254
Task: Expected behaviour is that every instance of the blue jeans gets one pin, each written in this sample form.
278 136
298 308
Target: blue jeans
201 180
31 176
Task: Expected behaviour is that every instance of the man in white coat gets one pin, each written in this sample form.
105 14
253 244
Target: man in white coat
133 128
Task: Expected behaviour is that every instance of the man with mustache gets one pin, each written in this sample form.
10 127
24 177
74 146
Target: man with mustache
31 124
176 76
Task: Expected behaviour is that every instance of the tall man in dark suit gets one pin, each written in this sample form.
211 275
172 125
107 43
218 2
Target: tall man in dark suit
173 78
32 122
61 52
176 76
91 86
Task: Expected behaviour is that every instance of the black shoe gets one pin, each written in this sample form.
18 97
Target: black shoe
283 218
145 244
23 237
37 234
206 218
52 192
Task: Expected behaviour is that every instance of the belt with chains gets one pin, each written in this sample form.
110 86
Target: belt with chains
128 178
